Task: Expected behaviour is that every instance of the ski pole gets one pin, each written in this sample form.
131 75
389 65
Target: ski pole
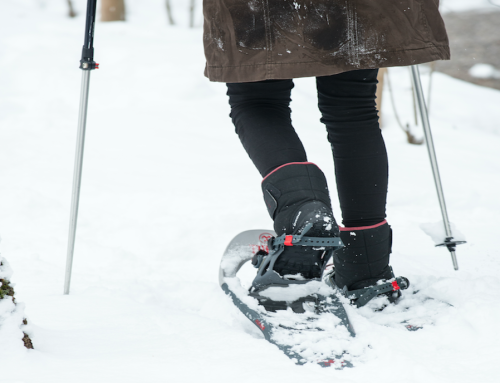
449 242
87 64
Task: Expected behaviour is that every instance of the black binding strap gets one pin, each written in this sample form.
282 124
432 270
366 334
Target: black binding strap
361 297
301 240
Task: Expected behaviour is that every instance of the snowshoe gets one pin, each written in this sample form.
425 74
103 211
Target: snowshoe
305 319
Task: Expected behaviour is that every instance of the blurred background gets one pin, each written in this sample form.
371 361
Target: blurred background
474 30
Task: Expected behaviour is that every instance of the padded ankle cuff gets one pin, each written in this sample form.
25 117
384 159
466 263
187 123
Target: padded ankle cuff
294 183
365 258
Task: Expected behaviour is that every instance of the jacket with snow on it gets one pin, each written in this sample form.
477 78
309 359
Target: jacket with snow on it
254 40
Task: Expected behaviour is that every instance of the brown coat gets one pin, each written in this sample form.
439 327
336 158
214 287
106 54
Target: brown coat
254 40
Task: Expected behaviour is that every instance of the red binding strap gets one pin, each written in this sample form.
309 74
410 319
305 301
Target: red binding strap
288 240
395 286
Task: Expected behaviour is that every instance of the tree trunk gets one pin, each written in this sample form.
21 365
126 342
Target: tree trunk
380 88
112 10
71 12
191 13
169 13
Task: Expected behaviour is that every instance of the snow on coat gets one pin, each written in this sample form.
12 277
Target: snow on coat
254 40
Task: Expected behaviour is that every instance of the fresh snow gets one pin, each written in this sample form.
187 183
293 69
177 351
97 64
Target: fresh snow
437 232
166 185
484 71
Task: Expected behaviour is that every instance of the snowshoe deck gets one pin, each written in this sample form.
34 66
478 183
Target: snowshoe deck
317 327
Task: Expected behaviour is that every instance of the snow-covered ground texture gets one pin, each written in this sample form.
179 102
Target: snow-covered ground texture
166 186
11 314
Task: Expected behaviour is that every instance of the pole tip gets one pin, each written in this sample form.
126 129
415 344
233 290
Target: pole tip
454 260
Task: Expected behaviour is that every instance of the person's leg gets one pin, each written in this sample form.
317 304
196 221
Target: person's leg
347 104
295 191
261 115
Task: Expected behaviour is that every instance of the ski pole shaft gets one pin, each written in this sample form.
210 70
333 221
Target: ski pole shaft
77 176
86 64
417 85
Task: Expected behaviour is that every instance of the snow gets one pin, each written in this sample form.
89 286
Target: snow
5 269
484 71
436 230
292 293
165 187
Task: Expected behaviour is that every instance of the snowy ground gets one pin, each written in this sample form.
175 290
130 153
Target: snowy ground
166 185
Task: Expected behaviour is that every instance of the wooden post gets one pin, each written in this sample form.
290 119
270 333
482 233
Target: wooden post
112 10
380 88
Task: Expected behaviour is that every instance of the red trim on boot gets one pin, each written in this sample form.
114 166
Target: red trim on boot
363 227
290 163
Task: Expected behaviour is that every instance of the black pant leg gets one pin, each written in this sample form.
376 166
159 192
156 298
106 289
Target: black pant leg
347 104
261 115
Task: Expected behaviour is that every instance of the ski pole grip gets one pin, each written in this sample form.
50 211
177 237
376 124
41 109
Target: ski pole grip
87 60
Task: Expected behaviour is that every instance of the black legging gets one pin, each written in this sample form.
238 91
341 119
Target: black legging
261 114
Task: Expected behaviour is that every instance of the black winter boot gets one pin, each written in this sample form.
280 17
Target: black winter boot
296 194
361 267
364 259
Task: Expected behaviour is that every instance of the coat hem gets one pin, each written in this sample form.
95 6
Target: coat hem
279 70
